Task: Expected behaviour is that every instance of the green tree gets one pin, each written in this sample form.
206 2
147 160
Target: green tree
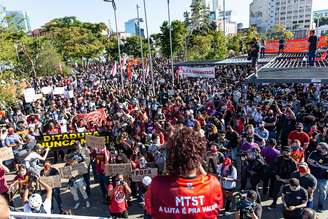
179 33
201 47
218 46
279 31
131 46
199 19
322 21
76 40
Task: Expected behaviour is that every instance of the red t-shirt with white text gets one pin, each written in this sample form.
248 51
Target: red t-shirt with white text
181 198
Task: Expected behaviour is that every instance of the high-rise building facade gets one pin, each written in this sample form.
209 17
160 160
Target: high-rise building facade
18 20
261 14
295 15
132 27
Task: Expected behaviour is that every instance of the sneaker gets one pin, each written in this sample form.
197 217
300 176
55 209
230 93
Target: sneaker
77 205
87 204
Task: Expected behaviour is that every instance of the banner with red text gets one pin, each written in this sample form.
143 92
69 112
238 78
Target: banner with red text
191 72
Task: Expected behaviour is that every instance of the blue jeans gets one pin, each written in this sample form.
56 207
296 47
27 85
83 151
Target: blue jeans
311 57
322 187
103 181
309 204
56 196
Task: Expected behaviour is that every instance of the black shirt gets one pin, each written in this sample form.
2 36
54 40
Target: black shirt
313 43
284 168
294 198
233 139
307 181
318 172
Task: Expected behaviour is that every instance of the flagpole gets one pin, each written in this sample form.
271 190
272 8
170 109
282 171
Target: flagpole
149 49
141 45
171 47
118 39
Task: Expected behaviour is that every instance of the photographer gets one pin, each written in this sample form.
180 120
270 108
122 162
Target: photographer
248 208
118 192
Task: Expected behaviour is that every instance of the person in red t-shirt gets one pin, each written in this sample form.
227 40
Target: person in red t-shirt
297 152
3 182
300 135
117 194
101 158
187 192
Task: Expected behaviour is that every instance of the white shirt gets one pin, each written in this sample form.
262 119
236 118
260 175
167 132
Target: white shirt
46 206
226 184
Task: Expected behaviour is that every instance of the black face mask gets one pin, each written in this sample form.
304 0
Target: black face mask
299 130
286 156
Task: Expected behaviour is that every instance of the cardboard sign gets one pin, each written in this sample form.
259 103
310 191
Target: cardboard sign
46 90
138 175
113 169
73 171
59 91
6 153
52 181
29 95
95 142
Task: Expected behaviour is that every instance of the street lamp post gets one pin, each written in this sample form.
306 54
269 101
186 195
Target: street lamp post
118 39
224 17
149 48
171 46
141 45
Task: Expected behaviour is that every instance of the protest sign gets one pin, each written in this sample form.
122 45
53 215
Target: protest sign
59 91
67 140
138 175
113 169
6 153
52 181
191 72
46 90
95 142
68 172
29 95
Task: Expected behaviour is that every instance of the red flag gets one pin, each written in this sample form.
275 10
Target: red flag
113 72
129 71
99 116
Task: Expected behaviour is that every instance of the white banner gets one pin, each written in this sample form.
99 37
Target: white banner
208 72
29 95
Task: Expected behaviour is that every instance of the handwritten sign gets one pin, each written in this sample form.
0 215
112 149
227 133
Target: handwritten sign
95 142
113 169
29 95
138 175
68 172
52 181
6 153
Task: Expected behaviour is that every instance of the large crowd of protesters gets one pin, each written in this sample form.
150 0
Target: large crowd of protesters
268 141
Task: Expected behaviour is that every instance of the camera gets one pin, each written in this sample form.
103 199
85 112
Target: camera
246 208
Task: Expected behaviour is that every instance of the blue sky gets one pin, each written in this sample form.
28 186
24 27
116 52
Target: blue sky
41 11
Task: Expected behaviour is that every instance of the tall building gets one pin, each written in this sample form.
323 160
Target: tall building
295 15
132 27
320 13
18 20
261 14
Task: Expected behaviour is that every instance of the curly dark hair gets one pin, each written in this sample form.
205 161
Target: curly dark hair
186 149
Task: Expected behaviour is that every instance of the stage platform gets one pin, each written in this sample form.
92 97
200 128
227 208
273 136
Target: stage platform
291 68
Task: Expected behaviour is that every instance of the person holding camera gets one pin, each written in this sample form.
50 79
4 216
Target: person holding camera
318 163
294 199
248 207
118 192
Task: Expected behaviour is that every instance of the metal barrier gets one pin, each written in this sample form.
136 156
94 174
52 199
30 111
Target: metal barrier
23 215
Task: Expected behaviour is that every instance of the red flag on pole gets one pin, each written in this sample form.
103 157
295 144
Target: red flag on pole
99 116
113 72
129 71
